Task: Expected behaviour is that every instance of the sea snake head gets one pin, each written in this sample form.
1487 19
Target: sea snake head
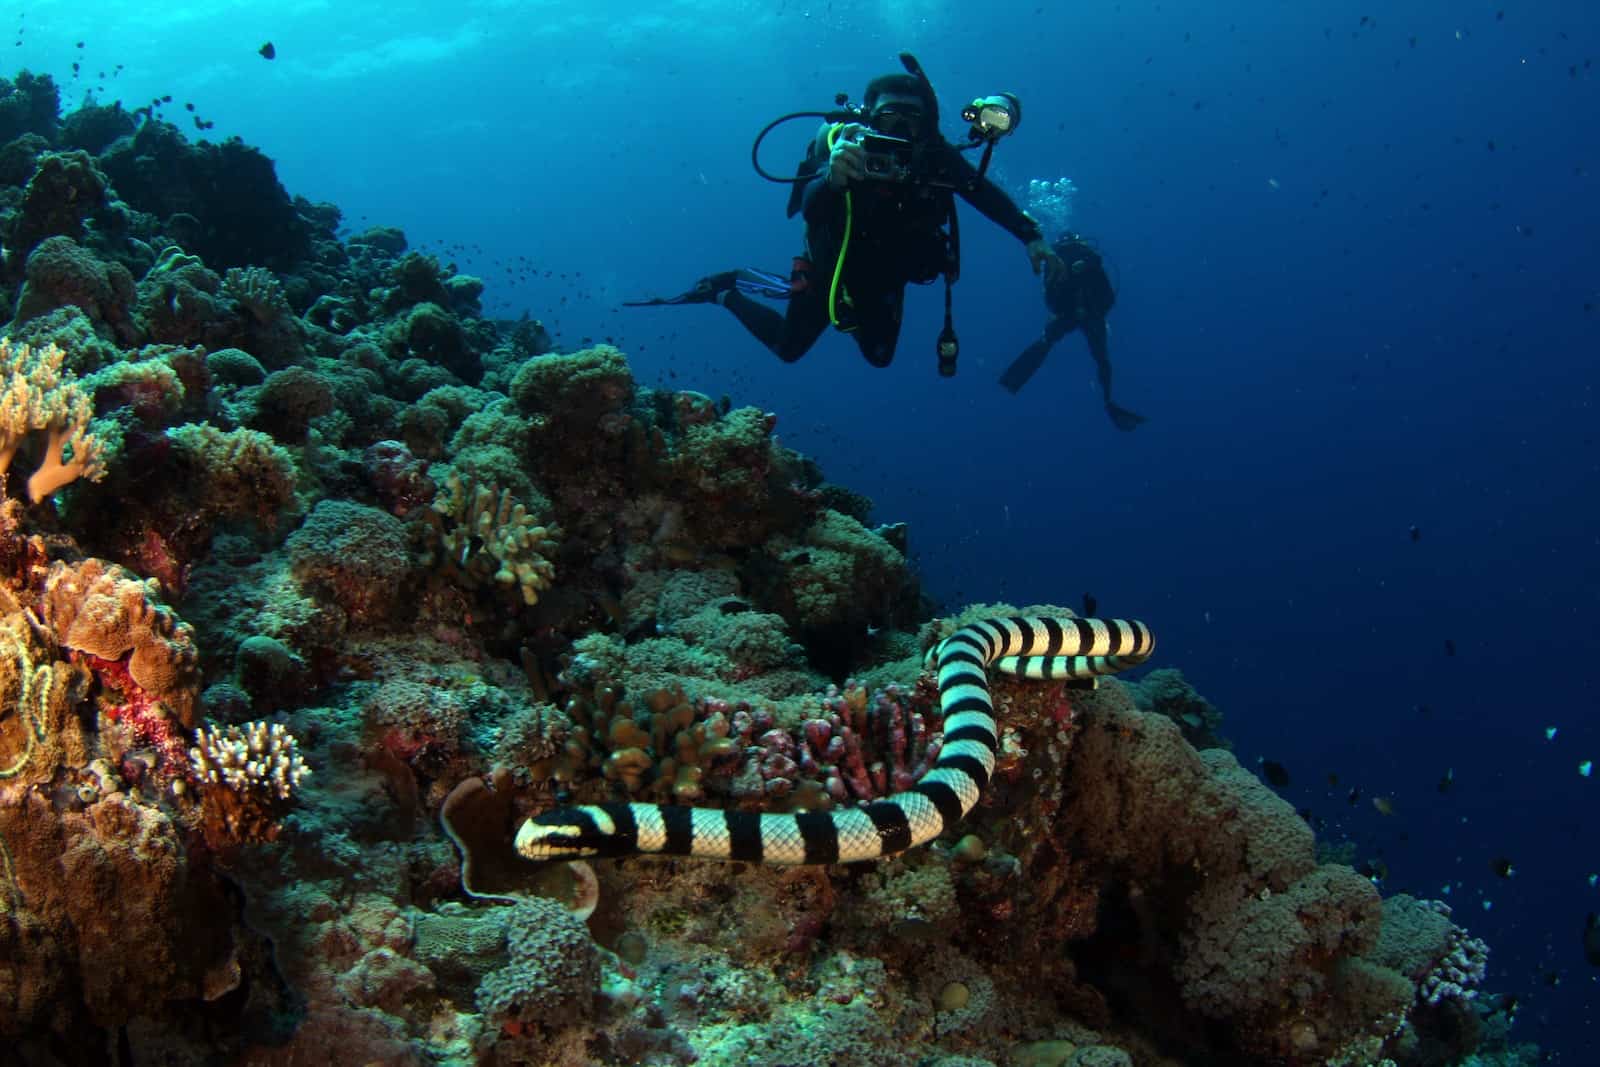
569 834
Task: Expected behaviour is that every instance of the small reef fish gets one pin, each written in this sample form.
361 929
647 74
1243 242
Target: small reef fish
267 51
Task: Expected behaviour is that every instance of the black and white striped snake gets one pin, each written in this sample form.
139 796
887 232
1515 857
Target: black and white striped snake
1034 647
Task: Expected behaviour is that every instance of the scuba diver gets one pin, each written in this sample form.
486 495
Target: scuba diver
877 191
1079 298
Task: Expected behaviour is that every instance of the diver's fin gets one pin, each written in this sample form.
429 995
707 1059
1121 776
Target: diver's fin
753 282
1123 418
747 280
1022 368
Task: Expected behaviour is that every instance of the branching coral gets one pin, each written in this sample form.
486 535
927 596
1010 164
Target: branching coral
259 758
247 776
488 536
37 394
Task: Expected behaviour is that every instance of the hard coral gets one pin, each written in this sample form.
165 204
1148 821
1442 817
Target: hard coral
180 301
94 880
247 777
65 189
61 273
1421 942
1220 867
578 387
355 555
286 403
241 473
487 537
249 217
553 973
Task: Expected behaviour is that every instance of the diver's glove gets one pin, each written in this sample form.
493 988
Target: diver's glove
846 162
1042 256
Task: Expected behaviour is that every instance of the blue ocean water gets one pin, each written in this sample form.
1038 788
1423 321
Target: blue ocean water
1358 294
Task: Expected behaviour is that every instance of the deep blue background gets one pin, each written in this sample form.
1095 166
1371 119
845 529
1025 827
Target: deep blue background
1355 247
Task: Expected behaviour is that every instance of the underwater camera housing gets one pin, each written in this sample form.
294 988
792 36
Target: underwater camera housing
886 158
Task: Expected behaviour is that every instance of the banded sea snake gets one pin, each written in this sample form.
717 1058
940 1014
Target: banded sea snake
1033 647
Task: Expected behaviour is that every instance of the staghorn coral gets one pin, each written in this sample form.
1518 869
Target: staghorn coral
36 394
487 537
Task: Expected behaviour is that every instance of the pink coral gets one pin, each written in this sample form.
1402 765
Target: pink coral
144 717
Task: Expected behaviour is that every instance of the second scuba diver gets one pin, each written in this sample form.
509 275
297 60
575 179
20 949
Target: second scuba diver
1078 299
878 198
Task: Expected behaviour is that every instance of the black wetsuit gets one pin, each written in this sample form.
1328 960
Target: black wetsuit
897 236
1079 298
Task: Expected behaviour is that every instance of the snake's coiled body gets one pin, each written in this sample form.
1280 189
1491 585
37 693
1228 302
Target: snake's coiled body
1038 648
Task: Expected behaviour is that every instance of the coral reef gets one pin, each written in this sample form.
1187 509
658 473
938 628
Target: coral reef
322 583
